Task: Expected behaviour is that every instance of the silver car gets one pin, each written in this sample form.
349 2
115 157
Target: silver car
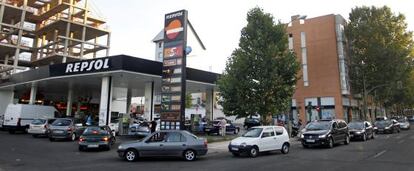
62 128
171 143
39 127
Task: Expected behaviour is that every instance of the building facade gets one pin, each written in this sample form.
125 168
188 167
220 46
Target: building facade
323 90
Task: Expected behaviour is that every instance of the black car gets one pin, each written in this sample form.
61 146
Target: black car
410 119
387 126
361 130
251 122
214 128
97 137
325 133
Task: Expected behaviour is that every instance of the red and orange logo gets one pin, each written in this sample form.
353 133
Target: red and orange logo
173 29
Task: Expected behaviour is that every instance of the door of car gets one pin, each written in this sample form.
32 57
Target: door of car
175 144
268 140
154 146
280 137
335 131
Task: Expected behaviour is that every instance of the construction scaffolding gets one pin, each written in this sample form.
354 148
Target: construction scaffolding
42 32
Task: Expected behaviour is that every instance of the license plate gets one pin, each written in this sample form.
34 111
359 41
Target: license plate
207 129
310 141
380 130
93 146
234 148
59 132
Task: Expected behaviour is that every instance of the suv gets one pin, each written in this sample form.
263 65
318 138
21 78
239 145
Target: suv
325 132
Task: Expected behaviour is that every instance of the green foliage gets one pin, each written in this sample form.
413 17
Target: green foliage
380 39
260 75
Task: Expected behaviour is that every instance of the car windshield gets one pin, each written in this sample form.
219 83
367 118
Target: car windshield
383 123
38 121
94 131
314 126
61 122
356 125
254 132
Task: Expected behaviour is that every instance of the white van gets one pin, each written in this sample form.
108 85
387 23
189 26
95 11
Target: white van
19 116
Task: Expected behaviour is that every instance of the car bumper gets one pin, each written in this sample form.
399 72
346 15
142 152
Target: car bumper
37 131
405 126
315 142
121 153
356 136
239 149
384 131
202 152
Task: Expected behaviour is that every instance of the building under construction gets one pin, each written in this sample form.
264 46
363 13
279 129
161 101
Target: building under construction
34 33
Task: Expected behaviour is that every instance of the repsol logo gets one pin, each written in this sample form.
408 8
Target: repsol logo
85 66
177 14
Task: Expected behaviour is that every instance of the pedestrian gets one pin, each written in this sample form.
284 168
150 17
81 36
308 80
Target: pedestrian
223 124
153 126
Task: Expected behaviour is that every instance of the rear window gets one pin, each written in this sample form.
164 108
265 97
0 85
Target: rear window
38 121
95 130
61 122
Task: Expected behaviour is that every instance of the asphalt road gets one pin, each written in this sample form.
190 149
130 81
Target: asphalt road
386 152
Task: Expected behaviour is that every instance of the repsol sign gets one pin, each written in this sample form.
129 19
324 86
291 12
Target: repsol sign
81 67
95 65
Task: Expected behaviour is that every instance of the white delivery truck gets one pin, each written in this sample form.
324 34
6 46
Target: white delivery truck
18 116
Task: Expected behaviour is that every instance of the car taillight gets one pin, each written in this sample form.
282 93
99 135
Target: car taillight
205 143
69 129
81 139
105 139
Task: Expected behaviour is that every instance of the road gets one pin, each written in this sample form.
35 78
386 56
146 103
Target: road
386 152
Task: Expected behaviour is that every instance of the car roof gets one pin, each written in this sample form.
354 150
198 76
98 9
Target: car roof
268 126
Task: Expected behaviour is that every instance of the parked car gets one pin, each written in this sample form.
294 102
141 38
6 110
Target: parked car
404 124
1 121
260 139
361 130
251 122
411 119
171 143
63 128
139 129
214 128
18 116
326 133
40 127
97 137
387 126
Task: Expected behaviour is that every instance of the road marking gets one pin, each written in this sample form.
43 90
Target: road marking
401 141
380 153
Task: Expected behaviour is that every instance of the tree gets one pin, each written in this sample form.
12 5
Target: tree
381 51
260 75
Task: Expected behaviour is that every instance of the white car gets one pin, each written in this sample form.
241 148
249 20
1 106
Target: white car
114 125
39 127
260 139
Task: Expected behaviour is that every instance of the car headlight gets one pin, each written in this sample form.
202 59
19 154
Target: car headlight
120 147
388 127
323 136
302 136
359 132
243 144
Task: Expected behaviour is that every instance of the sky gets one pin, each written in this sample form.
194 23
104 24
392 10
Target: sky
134 23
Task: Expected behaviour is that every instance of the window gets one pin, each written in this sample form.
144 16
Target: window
304 58
290 41
175 137
158 137
335 125
268 132
279 131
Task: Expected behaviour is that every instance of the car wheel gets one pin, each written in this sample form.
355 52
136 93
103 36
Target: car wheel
73 137
398 130
253 152
34 135
373 136
347 140
108 148
190 155
51 139
331 143
113 141
131 155
364 137
81 148
12 132
236 154
285 148
305 146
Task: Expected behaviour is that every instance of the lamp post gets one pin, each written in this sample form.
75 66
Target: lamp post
289 119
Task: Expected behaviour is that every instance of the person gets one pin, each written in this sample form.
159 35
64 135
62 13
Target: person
223 124
153 126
